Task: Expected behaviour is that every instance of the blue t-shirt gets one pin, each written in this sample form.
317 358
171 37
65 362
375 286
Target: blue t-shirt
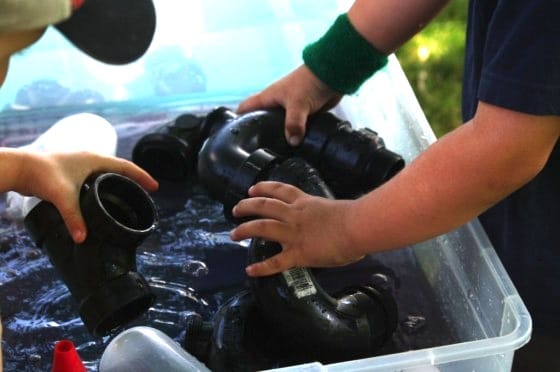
513 61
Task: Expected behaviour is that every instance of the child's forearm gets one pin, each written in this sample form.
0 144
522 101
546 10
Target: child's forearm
358 42
455 180
387 24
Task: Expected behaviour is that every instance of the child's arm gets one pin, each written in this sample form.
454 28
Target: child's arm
453 181
388 24
331 67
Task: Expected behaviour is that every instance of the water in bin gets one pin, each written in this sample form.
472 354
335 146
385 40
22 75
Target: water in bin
192 266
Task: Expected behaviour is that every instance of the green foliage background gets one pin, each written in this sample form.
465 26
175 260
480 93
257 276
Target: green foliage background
433 63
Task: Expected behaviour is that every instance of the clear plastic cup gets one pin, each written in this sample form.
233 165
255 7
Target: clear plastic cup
146 349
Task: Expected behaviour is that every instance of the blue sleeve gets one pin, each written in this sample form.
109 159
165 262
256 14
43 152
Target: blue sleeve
521 57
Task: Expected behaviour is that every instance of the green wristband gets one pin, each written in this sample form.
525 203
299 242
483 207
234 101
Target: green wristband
342 58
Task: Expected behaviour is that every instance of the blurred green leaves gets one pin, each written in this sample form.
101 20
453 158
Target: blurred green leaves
433 63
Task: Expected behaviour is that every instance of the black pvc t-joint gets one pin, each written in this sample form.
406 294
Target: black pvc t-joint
101 273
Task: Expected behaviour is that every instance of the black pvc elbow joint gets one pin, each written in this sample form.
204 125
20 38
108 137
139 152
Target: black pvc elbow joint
241 152
333 161
291 308
100 273
352 324
213 147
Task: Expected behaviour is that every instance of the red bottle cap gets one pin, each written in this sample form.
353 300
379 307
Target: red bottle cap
66 358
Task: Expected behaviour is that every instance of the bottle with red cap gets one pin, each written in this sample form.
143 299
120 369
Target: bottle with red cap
66 358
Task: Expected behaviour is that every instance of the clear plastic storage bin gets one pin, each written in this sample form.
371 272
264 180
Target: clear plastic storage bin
211 53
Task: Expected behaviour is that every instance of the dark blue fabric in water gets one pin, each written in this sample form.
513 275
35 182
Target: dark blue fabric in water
513 61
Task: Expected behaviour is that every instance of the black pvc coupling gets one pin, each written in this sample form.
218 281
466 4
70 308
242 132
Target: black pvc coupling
351 161
101 272
171 152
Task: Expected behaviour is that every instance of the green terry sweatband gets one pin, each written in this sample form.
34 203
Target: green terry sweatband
342 58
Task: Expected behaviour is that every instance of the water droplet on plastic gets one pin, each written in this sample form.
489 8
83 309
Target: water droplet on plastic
35 358
32 254
11 272
168 237
195 268
380 279
413 323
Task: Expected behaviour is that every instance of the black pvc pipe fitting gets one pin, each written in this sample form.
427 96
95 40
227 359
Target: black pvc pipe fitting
351 161
171 151
353 324
100 273
236 339
305 322
333 161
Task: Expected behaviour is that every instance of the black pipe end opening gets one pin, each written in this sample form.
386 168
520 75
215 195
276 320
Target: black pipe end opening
164 156
383 313
117 210
125 202
384 165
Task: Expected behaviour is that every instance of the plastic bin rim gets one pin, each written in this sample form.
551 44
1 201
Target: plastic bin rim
440 355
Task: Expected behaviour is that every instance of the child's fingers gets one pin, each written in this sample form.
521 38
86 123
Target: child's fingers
126 168
260 228
273 265
276 190
294 126
70 211
263 207
257 101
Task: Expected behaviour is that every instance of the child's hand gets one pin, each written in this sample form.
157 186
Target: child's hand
313 231
58 178
301 94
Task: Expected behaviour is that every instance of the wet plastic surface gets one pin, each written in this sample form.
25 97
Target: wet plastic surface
458 309
192 266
